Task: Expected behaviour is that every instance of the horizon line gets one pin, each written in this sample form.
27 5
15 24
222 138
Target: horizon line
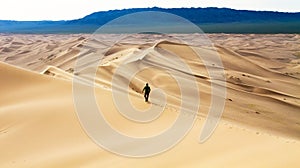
147 8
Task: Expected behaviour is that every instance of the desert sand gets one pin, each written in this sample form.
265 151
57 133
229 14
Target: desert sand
39 126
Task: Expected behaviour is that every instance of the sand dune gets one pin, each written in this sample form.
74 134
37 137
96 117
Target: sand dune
39 126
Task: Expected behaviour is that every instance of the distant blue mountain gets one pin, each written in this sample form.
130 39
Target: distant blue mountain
197 15
211 20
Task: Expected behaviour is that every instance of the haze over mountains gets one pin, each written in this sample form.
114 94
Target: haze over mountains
210 20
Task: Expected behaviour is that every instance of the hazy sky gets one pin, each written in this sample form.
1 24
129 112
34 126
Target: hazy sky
74 9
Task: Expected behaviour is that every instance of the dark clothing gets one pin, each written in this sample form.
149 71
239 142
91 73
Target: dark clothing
146 91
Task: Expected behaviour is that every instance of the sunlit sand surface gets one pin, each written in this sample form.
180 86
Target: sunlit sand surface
260 125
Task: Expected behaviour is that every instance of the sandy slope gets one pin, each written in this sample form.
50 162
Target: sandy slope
39 126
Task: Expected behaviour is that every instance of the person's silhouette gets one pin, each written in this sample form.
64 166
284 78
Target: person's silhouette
146 92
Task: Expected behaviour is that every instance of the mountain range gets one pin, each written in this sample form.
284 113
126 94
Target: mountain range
210 20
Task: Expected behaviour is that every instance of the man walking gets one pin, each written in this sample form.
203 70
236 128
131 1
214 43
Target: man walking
146 92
